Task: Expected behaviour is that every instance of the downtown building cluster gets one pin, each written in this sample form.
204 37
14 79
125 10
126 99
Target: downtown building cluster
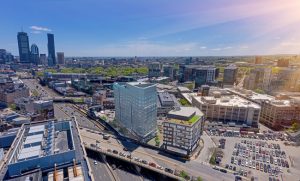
31 55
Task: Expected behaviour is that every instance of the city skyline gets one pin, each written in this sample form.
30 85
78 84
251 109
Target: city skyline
156 28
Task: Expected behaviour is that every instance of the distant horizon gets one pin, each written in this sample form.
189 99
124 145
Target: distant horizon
158 28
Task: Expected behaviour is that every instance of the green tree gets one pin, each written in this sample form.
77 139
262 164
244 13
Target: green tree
259 91
184 175
199 179
13 107
295 126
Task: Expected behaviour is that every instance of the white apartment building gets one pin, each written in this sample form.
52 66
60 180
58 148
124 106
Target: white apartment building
182 130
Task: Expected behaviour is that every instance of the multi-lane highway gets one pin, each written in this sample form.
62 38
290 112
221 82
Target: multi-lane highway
100 170
194 168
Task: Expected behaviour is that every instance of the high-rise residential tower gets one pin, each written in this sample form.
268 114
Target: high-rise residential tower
23 44
34 54
136 107
51 50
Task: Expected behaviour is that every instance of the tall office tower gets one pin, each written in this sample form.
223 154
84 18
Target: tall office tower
34 54
61 58
51 50
154 69
23 44
230 75
258 78
43 59
169 71
188 61
205 75
136 107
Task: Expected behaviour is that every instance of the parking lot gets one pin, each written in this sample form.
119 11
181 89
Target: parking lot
266 159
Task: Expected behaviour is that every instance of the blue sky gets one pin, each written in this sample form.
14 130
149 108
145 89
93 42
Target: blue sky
154 28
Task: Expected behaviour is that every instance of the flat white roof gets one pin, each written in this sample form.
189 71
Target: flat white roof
30 152
33 139
35 129
230 101
186 111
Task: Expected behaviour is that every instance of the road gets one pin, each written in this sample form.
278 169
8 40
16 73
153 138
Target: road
194 168
67 110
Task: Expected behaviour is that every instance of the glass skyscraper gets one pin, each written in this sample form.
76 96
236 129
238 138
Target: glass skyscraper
23 44
51 50
136 107
34 54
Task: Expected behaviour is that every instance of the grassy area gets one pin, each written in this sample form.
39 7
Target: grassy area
78 100
111 71
194 119
212 159
184 102
35 93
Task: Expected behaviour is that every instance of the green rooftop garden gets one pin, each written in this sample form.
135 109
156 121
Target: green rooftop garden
194 119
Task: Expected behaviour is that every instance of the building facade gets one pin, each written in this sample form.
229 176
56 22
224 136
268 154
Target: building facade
154 69
51 50
34 54
231 110
60 58
43 59
280 114
230 75
182 130
23 45
136 107
202 75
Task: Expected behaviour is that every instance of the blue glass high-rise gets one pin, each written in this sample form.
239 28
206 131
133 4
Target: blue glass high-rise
23 44
51 50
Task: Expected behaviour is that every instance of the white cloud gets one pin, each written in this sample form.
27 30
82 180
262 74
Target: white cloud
226 48
35 32
216 49
39 29
203 47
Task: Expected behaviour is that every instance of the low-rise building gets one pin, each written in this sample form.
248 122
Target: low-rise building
182 130
231 110
279 114
165 102
43 147
12 88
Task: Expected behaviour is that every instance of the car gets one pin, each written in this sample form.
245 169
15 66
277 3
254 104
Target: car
223 170
145 162
115 152
168 170
122 154
95 162
125 149
136 159
152 164
226 166
129 156
113 166
109 150
160 167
